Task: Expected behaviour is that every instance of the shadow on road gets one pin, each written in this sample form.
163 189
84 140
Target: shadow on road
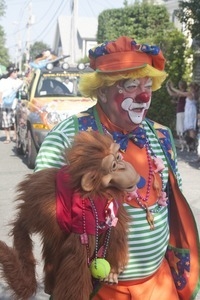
6 295
23 158
190 158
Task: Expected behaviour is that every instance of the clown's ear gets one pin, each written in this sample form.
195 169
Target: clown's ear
102 94
87 181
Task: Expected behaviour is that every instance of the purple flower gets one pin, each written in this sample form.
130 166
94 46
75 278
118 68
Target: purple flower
153 50
99 50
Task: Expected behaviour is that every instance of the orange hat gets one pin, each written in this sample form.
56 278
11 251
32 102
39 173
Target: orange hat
125 54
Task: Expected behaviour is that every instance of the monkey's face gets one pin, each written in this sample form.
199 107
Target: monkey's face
117 172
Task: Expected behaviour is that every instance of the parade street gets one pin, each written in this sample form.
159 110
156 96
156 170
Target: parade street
13 169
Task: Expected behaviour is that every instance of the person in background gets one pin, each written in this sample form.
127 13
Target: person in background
190 116
162 236
42 60
8 101
198 135
69 85
180 109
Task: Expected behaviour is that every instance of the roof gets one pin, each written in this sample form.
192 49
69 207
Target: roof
86 27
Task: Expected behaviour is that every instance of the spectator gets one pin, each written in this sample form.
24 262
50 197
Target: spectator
180 109
8 90
190 117
198 130
69 85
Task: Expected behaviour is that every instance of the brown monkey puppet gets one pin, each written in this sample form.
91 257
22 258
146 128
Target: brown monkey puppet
78 212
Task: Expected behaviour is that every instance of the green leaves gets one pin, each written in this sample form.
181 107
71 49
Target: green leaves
141 21
4 58
37 48
189 13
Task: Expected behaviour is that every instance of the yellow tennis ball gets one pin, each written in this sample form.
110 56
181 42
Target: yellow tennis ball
100 268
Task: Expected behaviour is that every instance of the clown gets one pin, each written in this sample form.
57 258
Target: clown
162 237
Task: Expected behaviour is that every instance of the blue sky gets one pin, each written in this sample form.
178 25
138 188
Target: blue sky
45 14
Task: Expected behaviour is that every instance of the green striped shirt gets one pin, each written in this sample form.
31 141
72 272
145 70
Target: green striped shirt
146 247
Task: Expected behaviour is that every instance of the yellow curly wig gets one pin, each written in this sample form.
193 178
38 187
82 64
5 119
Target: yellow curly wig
90 82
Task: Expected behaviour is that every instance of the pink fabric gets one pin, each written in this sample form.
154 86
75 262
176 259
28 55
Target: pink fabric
69 208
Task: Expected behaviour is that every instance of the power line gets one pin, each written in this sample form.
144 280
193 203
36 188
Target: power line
50 11
47 27
51 22
93 12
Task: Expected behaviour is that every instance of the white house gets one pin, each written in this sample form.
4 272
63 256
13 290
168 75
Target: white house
75 40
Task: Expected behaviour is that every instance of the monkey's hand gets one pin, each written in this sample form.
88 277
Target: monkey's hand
113 276
132 195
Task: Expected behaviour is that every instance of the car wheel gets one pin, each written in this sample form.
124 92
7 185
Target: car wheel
32 153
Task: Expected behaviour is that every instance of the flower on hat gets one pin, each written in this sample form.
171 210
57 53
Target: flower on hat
99 50
102 49
153 50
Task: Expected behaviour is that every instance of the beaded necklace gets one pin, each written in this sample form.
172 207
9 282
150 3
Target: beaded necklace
162 198
161 194
84 237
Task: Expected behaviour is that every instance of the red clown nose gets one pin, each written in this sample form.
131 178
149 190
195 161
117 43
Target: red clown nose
143 97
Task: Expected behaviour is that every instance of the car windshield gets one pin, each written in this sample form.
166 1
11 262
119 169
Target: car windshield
60 84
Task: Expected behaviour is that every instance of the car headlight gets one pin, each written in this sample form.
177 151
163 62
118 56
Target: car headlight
49 66
81 66
53 118
65 66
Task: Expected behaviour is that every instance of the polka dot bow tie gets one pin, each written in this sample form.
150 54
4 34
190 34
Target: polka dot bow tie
137 136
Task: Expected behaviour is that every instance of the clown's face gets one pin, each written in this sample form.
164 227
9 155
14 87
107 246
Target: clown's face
127 102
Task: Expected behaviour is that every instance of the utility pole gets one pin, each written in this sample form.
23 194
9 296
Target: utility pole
19 52
74 35
18 46
28 32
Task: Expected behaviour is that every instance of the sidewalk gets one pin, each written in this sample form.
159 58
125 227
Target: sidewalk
189 168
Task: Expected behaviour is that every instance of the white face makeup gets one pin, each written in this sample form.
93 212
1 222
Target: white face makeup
135 105
136 111
126 102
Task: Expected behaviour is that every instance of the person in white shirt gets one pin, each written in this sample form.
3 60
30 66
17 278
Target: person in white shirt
8 101
69 85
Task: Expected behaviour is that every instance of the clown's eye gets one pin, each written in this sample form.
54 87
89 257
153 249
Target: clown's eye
131 84
149 83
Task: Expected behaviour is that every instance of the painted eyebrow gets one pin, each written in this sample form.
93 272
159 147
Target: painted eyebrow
150 81
132 81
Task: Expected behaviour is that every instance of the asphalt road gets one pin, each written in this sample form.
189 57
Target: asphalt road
13 169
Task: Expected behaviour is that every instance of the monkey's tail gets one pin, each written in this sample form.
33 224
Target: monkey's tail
17 264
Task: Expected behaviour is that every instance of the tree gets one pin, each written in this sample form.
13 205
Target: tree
174 47
37 48
143 21
4 57
189 14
